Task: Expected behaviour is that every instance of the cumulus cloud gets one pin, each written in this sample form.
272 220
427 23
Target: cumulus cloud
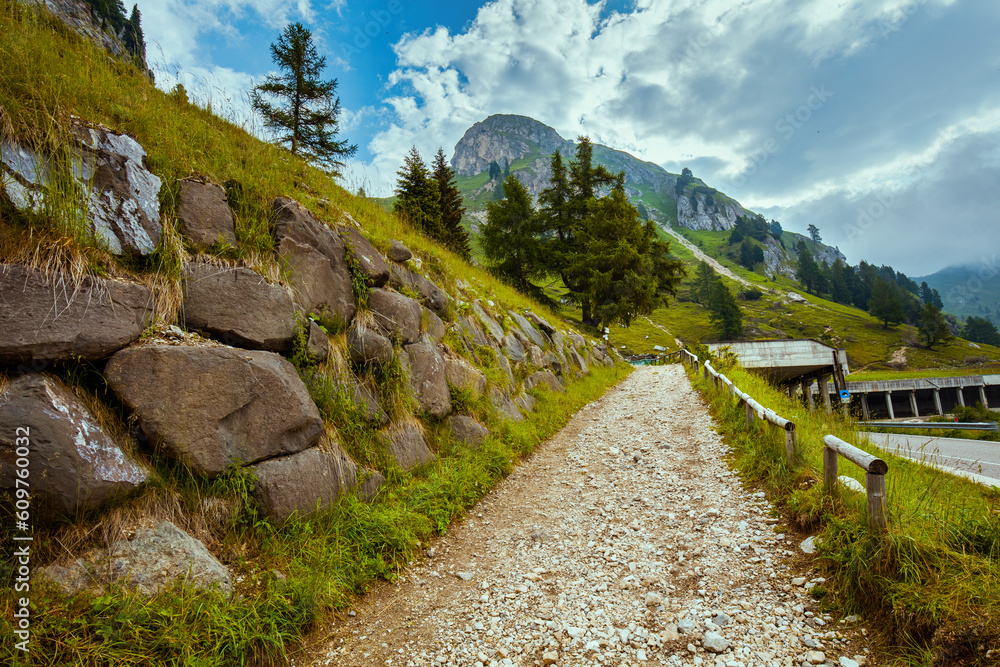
789 105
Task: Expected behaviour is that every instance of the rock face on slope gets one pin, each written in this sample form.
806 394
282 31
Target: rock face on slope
214 407
122 196
504 137
45 319
74 465
696 212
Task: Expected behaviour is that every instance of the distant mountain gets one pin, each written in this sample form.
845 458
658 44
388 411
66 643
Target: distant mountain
527 145
968 290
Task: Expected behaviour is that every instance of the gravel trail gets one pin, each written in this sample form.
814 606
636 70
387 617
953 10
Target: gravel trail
624 540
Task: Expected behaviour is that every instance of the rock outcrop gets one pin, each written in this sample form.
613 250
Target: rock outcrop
314 256
428 378
204 215
50 319
467 430
407 445
265 319
214 407
396 316
74 465
368 259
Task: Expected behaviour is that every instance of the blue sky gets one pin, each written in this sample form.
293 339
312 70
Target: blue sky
876 120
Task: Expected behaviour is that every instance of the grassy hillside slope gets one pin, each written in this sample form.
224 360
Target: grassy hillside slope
287 579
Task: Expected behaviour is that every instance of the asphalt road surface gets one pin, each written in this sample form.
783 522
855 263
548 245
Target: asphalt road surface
974 458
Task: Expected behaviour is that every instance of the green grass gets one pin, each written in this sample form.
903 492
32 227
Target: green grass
937 567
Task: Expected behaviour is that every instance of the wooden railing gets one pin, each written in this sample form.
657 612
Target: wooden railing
875 468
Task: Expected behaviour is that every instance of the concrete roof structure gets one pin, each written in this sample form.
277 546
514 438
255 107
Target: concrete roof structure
788 360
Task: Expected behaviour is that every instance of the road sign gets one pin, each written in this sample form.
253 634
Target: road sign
845 396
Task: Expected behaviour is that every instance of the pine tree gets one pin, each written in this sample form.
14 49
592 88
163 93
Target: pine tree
981 330
305 119
838 282
455 236
701 287
419 197
814 233
932 326
809 273
724 310
884 303
133 39
510 237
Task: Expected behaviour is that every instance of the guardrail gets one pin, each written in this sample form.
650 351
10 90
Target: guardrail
875 468
944 426
752 407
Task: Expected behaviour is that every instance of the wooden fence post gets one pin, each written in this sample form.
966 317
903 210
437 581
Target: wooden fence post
749 413
875 484
790 445
829 468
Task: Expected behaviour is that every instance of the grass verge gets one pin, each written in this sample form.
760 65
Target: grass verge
931 583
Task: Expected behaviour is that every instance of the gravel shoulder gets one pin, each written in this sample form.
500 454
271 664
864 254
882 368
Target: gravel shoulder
624 540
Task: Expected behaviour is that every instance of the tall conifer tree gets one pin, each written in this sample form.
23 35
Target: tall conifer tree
452 210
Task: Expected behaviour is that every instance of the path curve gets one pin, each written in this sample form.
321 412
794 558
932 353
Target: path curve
711 261
624 540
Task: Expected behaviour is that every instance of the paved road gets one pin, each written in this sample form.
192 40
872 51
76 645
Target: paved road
974 458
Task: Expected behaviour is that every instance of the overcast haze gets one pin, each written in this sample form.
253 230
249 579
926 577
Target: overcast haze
877 121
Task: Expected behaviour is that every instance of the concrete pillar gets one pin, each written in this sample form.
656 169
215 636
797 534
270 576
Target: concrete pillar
913 404
888 404
982 397
809 395
961 397
824 388
864 408
937 401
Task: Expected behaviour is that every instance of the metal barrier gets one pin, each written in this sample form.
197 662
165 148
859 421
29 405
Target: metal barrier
875 470
944 426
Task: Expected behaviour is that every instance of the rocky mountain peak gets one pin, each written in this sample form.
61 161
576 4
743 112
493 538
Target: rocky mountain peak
504 137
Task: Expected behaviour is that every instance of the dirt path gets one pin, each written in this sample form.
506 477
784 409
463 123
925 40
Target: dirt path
677 341
714 263
624 540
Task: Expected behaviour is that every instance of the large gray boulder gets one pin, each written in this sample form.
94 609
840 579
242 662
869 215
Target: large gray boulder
50 319
463 375
545 378
399 252
365 398
525 401
529 330
493 327
431 295
155 558
317 342
314 256
433 326
467 430
504 407
123 197
213 407
396 316
369 260
305 482
368 347
473 331
513 348
579 361
540 322
428 378
239 307
204 215
407 445
74 465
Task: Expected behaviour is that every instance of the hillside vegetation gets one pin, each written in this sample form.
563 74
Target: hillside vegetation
287 579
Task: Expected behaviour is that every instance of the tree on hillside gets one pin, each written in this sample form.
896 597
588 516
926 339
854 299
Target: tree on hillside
884 304
775 229
305 117
419 196
625 270
452 210
701 286
932 326
814 233
839 288
929 295
751 254
809 273
132 38
724 310
510 237
495 170
980 330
